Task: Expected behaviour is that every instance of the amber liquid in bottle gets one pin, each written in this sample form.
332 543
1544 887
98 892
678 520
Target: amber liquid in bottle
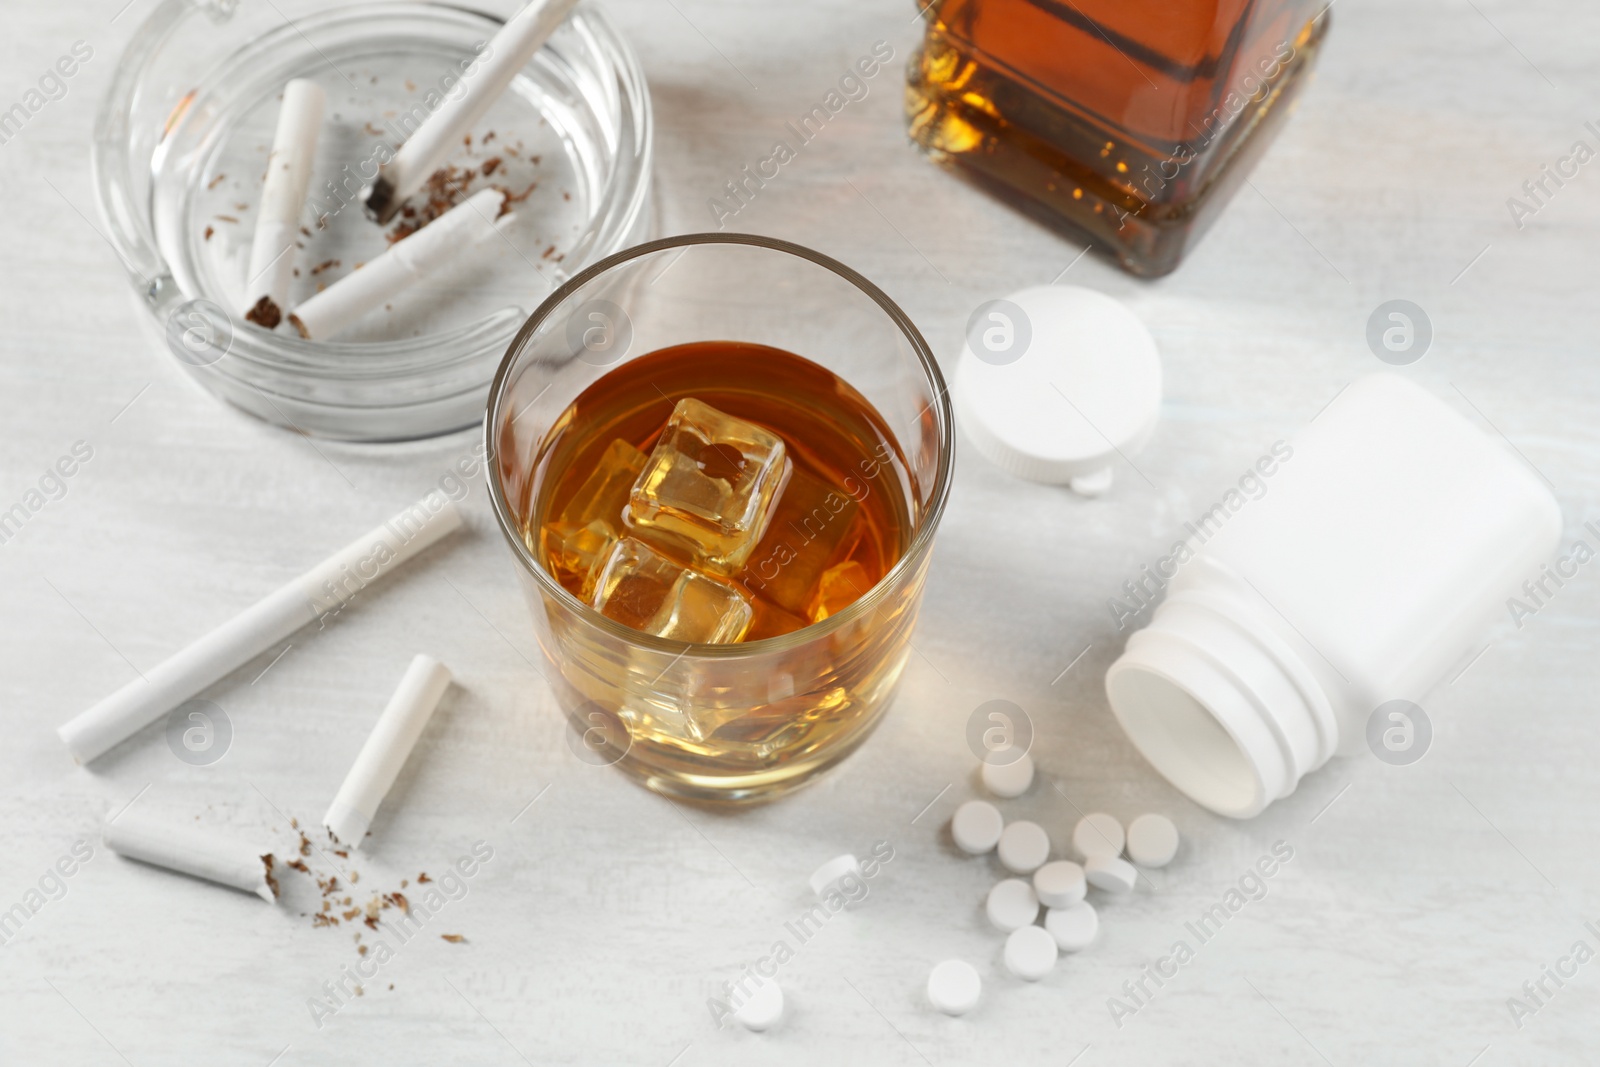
1128 122
840 522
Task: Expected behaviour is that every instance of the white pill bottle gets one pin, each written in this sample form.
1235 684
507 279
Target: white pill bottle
1386 544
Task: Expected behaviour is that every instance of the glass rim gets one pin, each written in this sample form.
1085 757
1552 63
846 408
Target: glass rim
927 523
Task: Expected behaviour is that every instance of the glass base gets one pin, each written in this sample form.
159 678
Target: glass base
1056 166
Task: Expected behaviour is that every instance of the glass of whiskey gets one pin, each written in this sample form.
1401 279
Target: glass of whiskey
1129 123
719 461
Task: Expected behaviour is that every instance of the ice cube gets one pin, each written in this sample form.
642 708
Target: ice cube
813 527
840 586
604 494
639 587
573 553
708 489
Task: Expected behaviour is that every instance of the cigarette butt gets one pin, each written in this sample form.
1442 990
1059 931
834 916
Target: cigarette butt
385 752
194 851
404 264
283 198
320 591
508 52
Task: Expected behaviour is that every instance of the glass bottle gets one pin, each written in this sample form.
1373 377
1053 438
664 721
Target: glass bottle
1126 122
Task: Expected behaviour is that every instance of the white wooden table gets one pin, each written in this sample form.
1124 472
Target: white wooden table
1418 899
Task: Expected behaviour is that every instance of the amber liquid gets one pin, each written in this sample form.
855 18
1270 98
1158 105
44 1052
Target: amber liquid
755 725
844 503
1130 122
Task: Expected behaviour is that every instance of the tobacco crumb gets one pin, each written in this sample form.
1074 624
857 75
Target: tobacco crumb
297 272
318 269
467 140
548 252
517 198
241 207
423 877
362 949
411 86
353 913
490 164
265 314
227 218
214 182
566 196
304 232
454 939
404 882
305 844
272 881
374 130
488 137
298 865
209 232
342 853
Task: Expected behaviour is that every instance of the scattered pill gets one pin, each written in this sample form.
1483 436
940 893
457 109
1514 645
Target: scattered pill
1024 846
1074 928
1030 953
1152 840
829 874
1111 873
1012 904
1059 884
976 827
1098 835
954 987
1008 779
762 1008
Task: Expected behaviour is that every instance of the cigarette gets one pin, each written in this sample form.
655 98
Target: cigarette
283 198
508 52
323 589
386 750
192 850
404 264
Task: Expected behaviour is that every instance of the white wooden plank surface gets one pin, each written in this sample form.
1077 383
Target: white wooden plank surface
1418 899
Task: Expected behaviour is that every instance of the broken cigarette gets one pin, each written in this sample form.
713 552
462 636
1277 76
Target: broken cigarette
386 750
187 849
508 52
323 589
283 198
405 263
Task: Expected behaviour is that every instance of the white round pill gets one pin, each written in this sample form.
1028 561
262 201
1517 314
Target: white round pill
1011 904
976 826
1074 928
1024 846
954 987
1059 884
828 875
1098 835
762 1008
1111 873
1152 840
1030 953
1008 779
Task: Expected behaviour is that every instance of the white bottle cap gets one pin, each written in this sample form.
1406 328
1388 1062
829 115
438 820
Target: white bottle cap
1057 383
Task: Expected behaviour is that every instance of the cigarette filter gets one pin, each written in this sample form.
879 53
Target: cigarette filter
323 589
387 747
188 849
283 198
404 264
508 52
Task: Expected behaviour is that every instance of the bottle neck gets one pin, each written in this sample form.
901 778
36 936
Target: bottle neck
1219 700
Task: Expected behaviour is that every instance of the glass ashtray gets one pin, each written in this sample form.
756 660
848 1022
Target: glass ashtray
180 152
